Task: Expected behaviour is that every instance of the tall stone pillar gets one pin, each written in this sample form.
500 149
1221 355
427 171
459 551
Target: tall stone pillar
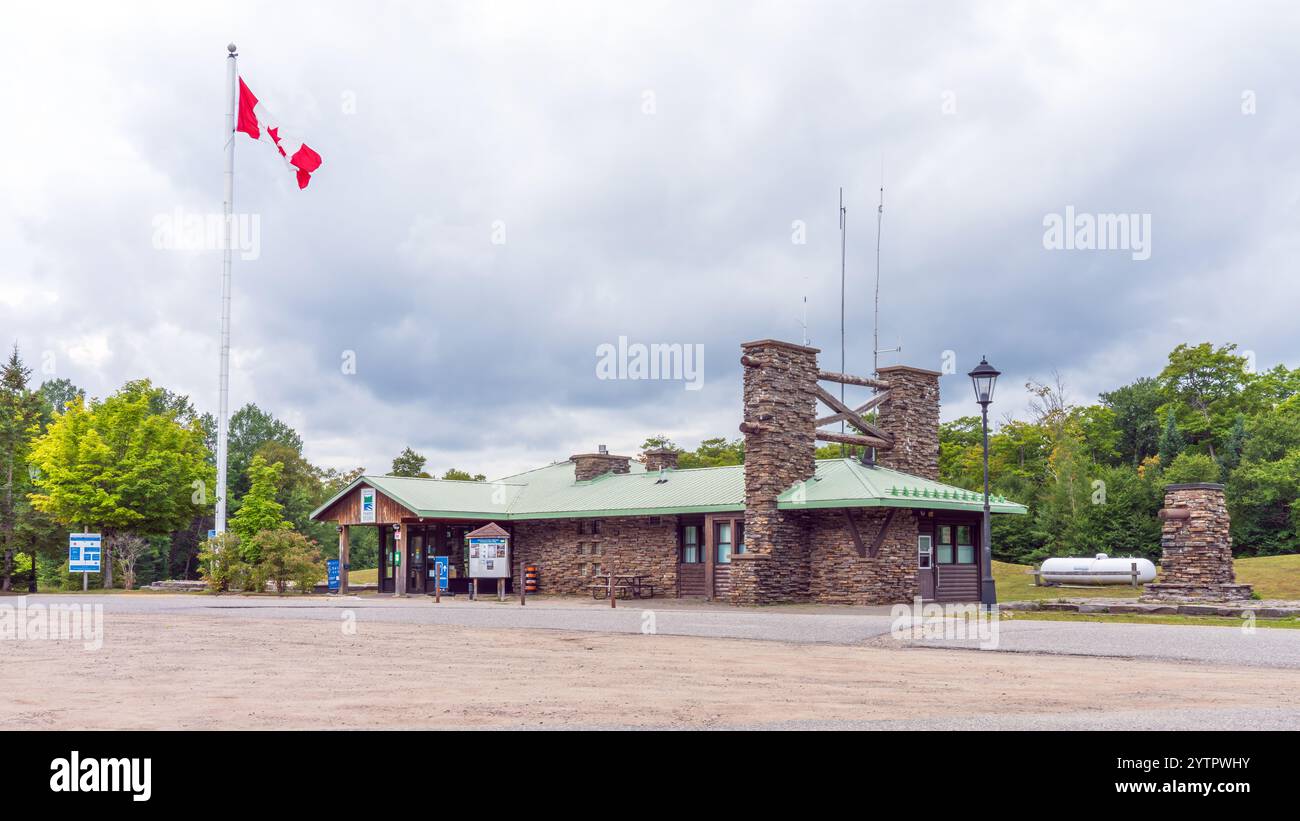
780 380
1195 547
911 416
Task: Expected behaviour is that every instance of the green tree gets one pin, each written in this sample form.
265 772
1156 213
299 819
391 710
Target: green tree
259 510
1203 388
1135 406
251 428
463 475
409 463
121 467
20 411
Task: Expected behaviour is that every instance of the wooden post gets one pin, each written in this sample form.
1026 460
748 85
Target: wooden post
610 571
1135 574
345 549
501 589
523 585
473 589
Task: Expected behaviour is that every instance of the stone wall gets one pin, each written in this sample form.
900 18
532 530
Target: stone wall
590 465
780 380
566 559
840 576
911 416
1195 547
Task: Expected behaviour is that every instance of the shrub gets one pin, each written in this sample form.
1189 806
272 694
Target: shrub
288 556
221 563
1188 468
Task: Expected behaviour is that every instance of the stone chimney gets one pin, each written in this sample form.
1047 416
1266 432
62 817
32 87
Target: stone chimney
780 381
590 465
1195 547
911 416
660 458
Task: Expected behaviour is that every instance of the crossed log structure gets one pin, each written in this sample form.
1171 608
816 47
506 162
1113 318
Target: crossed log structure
869 435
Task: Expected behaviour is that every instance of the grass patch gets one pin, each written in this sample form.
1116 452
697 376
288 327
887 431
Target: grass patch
1152 618
370 576
1274 577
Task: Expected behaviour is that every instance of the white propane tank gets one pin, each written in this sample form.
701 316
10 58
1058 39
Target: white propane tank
1099 570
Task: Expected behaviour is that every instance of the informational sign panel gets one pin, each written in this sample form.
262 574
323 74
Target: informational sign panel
440 568
367 504
332 573
212 534
489 557
84 552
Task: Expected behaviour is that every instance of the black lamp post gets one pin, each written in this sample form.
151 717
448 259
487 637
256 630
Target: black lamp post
984 377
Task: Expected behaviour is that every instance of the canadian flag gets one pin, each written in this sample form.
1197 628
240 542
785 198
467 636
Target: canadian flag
260 124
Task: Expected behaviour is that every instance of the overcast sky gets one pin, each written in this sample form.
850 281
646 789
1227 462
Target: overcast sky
508 186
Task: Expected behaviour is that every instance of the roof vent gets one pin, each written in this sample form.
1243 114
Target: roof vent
602 449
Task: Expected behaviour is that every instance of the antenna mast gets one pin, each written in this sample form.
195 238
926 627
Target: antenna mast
843 231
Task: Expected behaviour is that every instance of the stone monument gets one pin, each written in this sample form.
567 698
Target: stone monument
1196 548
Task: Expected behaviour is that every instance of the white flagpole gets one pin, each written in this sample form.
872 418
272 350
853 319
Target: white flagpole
224 391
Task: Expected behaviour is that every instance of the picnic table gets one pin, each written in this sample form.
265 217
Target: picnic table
626 585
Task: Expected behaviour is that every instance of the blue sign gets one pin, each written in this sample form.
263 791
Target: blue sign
84 552
441 563
332 572
212 534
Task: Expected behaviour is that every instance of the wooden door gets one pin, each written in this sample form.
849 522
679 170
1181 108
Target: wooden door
691 577
726 538
956 561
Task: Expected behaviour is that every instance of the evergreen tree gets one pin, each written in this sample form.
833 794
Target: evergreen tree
1171 441
20 411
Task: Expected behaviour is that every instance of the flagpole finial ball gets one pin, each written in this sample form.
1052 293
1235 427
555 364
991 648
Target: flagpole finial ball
231 48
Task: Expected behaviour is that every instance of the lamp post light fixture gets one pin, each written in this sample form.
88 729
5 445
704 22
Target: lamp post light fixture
984 378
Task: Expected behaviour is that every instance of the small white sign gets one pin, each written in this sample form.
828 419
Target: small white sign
367 505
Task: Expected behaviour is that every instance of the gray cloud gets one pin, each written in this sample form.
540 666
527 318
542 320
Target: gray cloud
673 226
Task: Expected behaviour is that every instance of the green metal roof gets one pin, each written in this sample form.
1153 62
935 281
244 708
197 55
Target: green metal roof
551 492
849 483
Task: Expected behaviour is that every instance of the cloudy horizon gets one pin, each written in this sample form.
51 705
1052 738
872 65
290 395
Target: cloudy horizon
507 188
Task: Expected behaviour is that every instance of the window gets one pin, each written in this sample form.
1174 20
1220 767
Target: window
944 552
740 537
965 545
691 545
924 551
724 542
596 526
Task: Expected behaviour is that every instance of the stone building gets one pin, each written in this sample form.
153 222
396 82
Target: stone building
783 527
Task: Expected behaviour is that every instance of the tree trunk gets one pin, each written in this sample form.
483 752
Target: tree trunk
31 581
106 559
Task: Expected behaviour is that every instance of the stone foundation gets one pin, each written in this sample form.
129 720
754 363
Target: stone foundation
1196 548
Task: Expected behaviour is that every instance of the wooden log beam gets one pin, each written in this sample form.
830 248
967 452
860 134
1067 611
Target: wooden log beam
849 379
853 439
870 404
751 361
754 427
851 417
